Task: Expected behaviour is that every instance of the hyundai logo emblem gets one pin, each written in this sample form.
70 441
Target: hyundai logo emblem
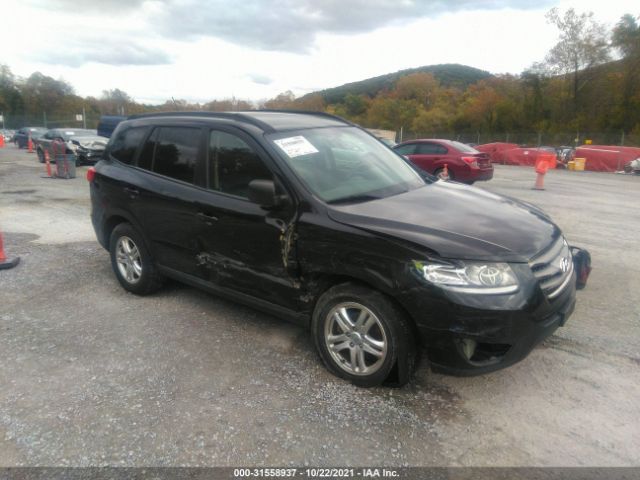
564 265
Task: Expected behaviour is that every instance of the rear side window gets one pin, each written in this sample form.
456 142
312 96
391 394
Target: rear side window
430 149
233 164
172 152
406 149
126 143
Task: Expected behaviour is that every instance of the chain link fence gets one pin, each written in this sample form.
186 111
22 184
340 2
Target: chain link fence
530 139
14 122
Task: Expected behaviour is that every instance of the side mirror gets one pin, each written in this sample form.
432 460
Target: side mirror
263 192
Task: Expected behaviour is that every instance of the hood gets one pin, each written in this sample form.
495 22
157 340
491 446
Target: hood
455 221
92 143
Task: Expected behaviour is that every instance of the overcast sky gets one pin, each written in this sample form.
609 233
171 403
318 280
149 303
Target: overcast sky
201 50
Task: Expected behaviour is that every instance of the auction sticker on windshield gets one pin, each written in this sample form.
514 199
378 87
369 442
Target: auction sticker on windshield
296 146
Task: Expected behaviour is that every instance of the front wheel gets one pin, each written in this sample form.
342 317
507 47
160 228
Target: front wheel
362 336
131 261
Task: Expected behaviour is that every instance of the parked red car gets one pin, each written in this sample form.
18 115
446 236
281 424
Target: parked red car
465 163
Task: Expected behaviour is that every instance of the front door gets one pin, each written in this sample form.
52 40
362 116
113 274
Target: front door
241 245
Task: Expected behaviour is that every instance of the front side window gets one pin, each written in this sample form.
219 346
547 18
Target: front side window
344 164
126 143
172 152
233 164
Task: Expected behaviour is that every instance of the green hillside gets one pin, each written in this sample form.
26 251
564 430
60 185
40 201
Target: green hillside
448 75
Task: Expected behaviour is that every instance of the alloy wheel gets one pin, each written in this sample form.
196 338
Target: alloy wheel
355 338
128 260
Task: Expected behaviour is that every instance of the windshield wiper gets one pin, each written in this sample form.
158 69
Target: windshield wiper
354 199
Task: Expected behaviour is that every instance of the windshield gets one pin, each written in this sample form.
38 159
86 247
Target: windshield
345 164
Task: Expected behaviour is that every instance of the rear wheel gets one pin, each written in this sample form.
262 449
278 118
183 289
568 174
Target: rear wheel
440 174
131 261
361 336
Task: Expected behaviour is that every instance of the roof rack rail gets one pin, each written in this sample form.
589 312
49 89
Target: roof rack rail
228 115
308 112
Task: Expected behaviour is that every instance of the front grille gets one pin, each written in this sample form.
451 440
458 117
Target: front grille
553 268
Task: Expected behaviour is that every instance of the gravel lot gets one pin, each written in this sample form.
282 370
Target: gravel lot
91 375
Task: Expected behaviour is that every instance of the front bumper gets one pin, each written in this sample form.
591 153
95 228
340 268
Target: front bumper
474 334
89 156
484 341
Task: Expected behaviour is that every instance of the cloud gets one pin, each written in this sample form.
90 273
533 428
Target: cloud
292 25
276 25
106 51
72 6
260 79
122 29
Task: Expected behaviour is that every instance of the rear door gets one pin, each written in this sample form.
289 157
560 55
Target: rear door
429 156
164 196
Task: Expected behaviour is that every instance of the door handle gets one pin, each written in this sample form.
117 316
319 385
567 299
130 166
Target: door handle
132 192
208 219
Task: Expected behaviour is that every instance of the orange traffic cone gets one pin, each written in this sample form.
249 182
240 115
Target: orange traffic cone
445 172
4 262
542 165
47 162
1 141
30 145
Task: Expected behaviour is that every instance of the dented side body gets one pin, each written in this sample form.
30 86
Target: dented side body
282 259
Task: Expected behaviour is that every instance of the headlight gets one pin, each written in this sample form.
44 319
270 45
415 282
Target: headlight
470 277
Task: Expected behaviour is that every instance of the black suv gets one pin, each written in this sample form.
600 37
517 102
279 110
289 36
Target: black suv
312 219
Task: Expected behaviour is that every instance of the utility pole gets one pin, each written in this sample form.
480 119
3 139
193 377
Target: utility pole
84 118
44 118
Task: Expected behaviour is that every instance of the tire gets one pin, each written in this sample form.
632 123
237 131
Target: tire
131 261
439 171
40 155
363 337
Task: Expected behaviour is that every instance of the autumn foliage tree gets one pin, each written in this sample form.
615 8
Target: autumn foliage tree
582 45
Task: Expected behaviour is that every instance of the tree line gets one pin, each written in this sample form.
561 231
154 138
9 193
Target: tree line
588 82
